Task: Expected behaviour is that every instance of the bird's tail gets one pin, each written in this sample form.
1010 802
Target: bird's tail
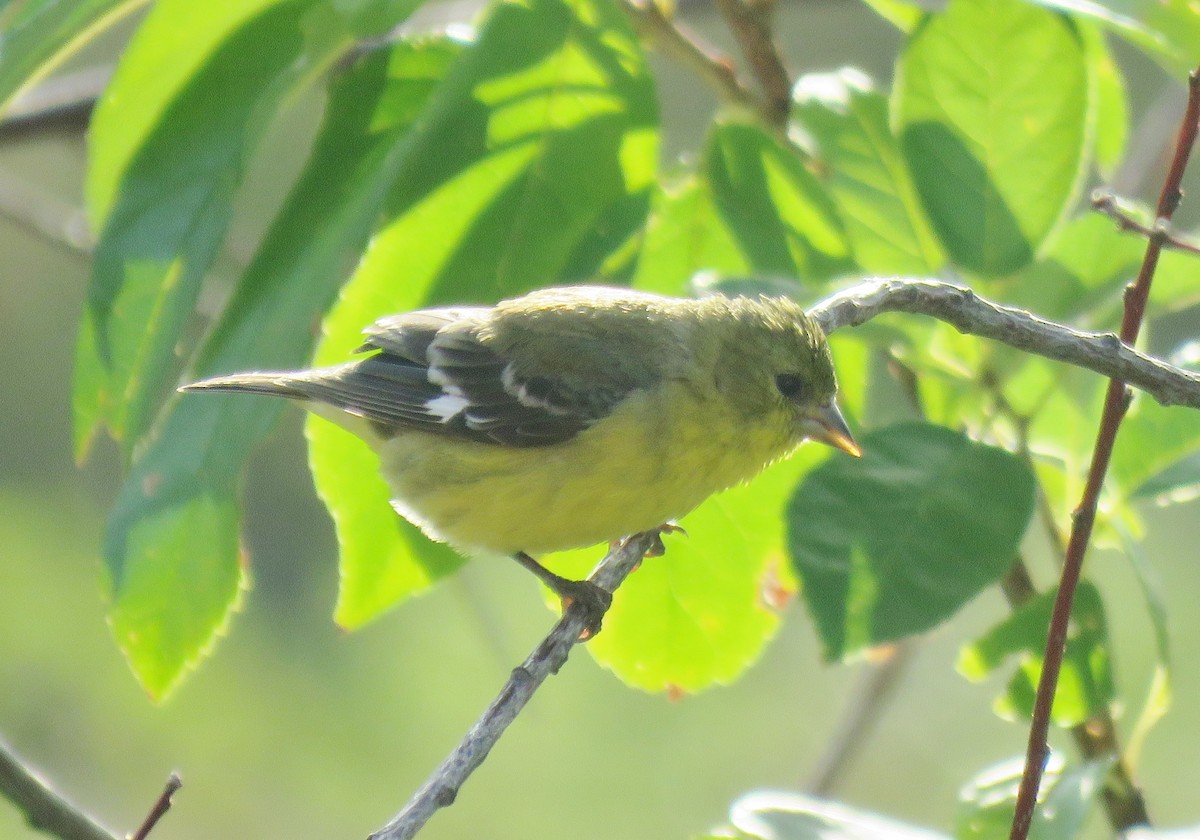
274 384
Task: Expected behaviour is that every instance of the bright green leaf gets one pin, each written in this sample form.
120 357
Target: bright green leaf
778 213
895 542
991 107
1085 684
902 14
178 590
166 201
203 440
866 173
685 235
533 162
1112 103
37 35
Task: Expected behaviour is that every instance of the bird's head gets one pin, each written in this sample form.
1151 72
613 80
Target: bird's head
793 367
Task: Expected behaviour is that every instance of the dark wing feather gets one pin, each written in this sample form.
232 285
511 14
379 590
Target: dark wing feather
432 371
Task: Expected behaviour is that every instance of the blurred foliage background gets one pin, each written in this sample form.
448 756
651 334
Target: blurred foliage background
297 730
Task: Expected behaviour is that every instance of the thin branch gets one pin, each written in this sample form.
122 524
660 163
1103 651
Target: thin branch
963 309
686 48
1096 737
1108 204
1116 403
160 807
750 23
870 698
442 787
44 808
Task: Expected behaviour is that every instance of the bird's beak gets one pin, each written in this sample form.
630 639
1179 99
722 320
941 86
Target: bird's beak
828 425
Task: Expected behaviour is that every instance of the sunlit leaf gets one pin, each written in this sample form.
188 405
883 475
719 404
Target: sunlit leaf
191 467
162 206
991 105
177 592
866 173
778 213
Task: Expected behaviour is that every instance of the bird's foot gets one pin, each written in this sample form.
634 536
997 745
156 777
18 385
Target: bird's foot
657 547
592 599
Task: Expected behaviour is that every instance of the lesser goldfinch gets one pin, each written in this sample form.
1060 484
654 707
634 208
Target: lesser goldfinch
573 416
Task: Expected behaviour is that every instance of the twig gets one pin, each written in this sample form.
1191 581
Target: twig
1116 403
1096 737
44 808
443 785
960 307
687 49
750 23
1108 204
160 807
870 697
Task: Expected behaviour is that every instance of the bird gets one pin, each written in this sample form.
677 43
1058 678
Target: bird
572 416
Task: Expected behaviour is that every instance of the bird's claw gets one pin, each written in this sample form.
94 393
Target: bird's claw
592 599
657 547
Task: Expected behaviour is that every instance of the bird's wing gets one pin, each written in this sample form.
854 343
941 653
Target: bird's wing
435 370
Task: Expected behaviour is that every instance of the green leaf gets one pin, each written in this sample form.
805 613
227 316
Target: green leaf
986 803
991 106
901 14
895 542
38 35
779 214
203 440
1167 30
685 235
1112 103
1080 275
773 815
1152 439
1085 684
866 173
178 591
533 162
164 206
702 613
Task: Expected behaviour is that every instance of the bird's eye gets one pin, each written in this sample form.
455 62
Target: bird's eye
791 385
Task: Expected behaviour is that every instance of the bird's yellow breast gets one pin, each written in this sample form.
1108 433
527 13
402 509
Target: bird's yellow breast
657 456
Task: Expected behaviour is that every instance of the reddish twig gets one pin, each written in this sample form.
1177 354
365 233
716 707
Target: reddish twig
1116 403
160 807
687 49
